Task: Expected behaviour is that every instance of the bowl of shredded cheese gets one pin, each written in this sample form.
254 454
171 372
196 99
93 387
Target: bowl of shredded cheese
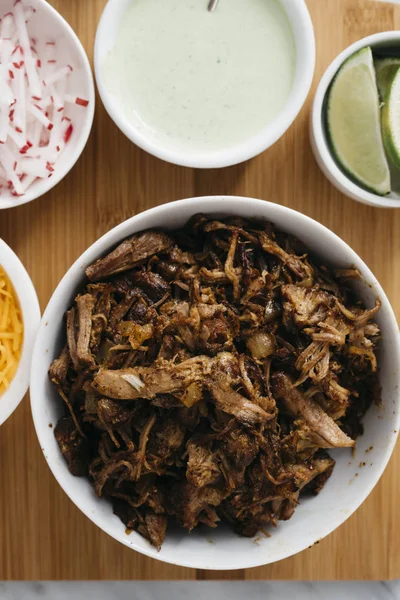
19 322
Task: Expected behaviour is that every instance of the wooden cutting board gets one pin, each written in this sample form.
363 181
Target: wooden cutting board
42 534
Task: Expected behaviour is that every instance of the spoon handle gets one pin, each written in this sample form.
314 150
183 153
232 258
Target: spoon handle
212 5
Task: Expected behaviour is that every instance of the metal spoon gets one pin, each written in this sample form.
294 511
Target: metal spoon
212 5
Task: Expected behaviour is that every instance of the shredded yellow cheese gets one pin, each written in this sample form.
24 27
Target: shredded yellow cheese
11 332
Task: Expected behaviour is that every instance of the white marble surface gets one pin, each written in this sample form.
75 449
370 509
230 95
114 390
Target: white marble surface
200 591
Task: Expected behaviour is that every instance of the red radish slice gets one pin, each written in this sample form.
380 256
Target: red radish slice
68 132
18 87
76 100
27 182
7 161
56 97
6 48
16 137
7 96
34 166
4 120
36 133
7 27
36 112
57 75
29 11
33 78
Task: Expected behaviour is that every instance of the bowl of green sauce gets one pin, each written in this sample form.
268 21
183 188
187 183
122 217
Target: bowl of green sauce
199 88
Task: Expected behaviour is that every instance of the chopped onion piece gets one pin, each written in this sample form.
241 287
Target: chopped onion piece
134 381
261 344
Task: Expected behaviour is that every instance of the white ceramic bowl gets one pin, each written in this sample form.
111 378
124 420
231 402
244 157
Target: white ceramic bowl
29 304
49 24
319 141
305 47
314 518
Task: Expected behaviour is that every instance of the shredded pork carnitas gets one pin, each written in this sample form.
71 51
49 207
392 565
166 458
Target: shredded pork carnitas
207 372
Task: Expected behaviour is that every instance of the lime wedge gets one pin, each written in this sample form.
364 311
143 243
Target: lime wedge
385 69
391 121
353 123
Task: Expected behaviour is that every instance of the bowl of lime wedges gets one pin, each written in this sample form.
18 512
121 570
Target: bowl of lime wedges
355 121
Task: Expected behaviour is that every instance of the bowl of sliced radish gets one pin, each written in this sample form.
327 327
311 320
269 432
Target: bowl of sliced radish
46 100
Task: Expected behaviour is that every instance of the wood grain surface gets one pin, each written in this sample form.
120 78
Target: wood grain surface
42 534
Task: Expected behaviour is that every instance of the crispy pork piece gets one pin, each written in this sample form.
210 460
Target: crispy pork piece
305 306
85 305
131 253
304 473
73 446
59 367
186 502
233 403
112 413
168 378
72 332
298 405
165 439
164 377
294 263
101 313
152 284
156 526
202 465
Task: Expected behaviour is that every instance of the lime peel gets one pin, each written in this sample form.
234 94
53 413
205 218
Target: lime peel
391 121
353 123
385 69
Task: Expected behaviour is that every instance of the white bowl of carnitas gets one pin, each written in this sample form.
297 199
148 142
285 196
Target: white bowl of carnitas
349 484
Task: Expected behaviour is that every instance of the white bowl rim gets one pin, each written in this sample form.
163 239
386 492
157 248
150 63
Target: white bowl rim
226 157
30 309
59 174
206 204
319 144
